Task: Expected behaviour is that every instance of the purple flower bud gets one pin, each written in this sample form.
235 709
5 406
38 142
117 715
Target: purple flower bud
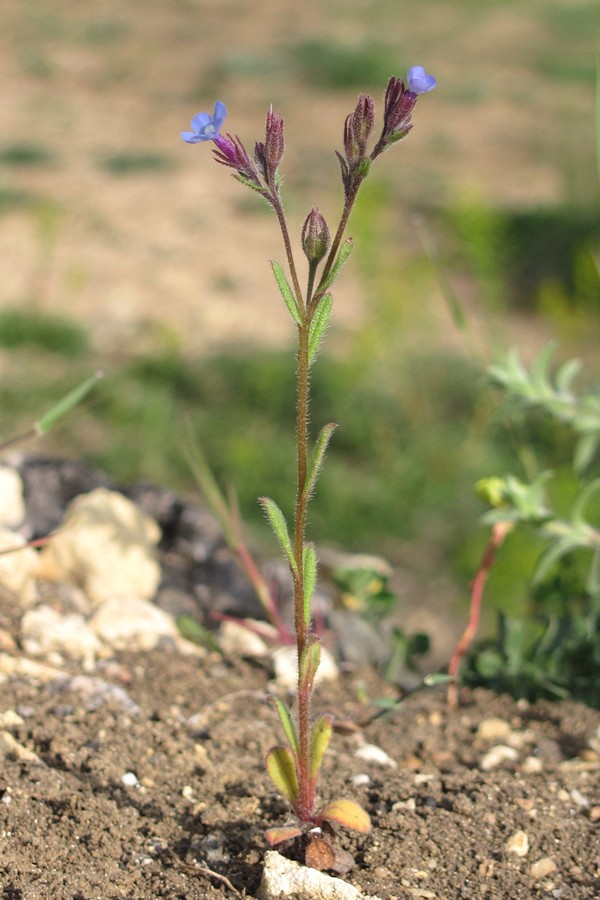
268 155
419 82
358 128
231 152
206 127
315 236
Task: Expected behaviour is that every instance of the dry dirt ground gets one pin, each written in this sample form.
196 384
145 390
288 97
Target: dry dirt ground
131 805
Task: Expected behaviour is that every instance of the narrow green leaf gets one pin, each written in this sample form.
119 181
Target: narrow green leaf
551 556
342 258
67 403
282 772
287 725
320 736
585 451
317 457
309 560
566 374
309 663
318 324
347 813
280 530
286 292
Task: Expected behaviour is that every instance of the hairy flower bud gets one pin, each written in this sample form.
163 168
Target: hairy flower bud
315 236
269 155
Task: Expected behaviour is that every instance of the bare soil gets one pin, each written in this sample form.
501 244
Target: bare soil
188 819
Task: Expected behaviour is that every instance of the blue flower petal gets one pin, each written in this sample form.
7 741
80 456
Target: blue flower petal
419 82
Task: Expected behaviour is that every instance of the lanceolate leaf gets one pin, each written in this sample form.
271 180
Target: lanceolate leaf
318 457
309 663
66 404
279 526
282 771
320 736
310 578
342 257
286 291
287 725
347 813
318 325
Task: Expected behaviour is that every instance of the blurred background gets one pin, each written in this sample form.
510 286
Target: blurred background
126 249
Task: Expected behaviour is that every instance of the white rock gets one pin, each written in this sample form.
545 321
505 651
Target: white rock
499 754
12 505
594 741
286 880
286 667
45 631
518 843
106 546
129 779
133 624
374 754
19 569
21 667
532 765
236 640
10 748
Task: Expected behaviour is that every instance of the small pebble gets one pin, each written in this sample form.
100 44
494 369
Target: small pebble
518 844
129 779
360 779
499 754
542 867
493 729
595 814
374 754
532 765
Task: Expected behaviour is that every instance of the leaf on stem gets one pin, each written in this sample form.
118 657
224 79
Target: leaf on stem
342 258
320 736
288 726
318 457
286 292
347 813
283 833
282 772
318 324
309 663
280 529
67 403
309 562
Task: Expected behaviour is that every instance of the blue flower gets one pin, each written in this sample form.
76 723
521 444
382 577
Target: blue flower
206 127
419 82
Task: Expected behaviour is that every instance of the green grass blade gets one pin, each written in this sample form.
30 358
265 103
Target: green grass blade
67 403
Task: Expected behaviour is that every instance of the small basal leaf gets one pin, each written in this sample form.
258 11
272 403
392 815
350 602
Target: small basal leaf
320 736
286 292
318 324
319 853
310 579
282 772
284 833
280 530
287 725
347 813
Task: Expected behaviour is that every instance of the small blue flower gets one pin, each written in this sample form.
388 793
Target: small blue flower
419 82
206 127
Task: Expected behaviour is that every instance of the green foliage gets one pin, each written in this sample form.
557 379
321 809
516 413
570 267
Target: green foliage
55 334
332 65
552 647
25 154
135 163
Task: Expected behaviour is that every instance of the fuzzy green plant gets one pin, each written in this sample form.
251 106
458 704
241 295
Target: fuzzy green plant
295 765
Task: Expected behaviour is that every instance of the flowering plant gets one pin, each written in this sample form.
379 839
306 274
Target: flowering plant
294 767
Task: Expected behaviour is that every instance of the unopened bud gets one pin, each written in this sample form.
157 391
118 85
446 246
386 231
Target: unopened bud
315 236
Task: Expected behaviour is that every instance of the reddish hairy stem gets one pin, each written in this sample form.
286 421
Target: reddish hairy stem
499 532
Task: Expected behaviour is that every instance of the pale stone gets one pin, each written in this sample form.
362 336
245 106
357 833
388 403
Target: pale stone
518 843
21 667
133 624
237 640
543 867
532 765
286 667
10 748
284 879
498 755
45 631
106 545
493 729
12 505
10 718
374 754
19 568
